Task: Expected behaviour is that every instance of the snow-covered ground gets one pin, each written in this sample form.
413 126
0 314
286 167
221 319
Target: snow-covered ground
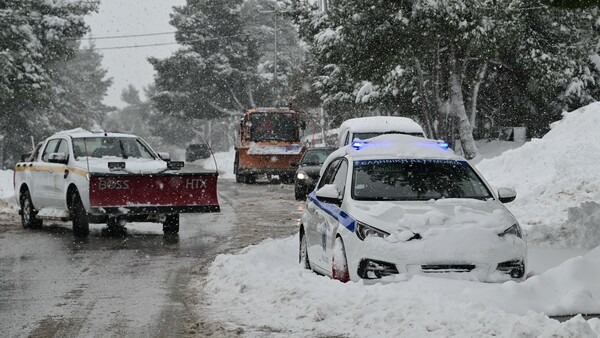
265 292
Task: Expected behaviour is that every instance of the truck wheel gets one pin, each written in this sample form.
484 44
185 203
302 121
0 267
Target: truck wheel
171 224
250 179
81 224
236 163
28 212
240 178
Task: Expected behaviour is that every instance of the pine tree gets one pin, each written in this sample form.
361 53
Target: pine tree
226 63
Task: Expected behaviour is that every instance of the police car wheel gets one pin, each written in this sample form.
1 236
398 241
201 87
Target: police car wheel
303 252
339 264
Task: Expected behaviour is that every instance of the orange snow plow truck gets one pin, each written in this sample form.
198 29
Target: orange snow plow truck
268 144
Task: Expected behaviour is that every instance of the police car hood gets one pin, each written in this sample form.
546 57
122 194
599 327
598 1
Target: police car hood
132 165
431 218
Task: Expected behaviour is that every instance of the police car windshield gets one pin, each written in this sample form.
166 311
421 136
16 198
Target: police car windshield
416 180
122 147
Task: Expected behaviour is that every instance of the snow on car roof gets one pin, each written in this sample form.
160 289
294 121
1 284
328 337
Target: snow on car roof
80 132
391 146
382 124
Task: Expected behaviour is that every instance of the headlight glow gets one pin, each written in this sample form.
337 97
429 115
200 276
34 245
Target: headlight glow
514 229
302 175
363 231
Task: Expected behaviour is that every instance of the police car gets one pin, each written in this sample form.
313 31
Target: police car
400 205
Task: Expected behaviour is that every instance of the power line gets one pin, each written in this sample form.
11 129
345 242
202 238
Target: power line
173 43
126 36
140 46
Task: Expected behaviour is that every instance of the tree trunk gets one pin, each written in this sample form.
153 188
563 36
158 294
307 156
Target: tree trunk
425 102
480 76
457 104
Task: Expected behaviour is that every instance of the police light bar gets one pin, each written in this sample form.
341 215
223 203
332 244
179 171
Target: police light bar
358 144
443 145
116 165
175 165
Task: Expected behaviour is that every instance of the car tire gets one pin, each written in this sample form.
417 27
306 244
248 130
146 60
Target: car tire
81 224
339 263
303 252
171 224
250 179
300 194
28 212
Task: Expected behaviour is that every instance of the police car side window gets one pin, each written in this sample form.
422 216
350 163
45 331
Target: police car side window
329 172
50 148
340 177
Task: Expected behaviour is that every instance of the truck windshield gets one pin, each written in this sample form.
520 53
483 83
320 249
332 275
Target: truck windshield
273 127
122 147
416 180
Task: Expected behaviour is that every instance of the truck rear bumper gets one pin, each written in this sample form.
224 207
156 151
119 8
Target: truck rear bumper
144 213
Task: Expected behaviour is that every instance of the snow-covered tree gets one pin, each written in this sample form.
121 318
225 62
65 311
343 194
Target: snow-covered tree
36 36
430 59
226 63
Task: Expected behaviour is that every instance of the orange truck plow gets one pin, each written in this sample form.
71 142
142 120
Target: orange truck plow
268 143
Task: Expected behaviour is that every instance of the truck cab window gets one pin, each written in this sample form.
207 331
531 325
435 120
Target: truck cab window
50 148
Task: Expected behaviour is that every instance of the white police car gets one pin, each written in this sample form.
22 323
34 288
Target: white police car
400 205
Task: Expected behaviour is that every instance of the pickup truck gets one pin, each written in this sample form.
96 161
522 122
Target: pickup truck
113 178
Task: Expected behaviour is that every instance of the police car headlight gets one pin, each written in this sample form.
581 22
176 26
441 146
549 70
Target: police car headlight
363 231
302 175
514 229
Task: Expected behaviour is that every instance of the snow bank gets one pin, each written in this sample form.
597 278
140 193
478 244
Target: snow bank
296 302
224 163
557 182
7 192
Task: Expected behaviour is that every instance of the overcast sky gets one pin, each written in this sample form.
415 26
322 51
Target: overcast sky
131 17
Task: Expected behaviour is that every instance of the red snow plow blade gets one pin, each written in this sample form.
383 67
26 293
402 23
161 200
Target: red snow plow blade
154 193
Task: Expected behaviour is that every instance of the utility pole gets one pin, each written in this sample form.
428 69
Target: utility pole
275 77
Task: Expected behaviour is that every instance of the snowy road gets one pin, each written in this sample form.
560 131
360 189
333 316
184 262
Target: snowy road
135 284
142 283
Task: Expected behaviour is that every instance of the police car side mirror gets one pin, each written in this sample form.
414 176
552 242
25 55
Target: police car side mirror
506 195
60 158
329 194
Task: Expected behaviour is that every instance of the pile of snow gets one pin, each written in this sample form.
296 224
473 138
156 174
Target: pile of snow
7 192
224 163
557 182
297 302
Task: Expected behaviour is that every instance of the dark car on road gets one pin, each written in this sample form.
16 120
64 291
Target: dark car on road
309 167
196 151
